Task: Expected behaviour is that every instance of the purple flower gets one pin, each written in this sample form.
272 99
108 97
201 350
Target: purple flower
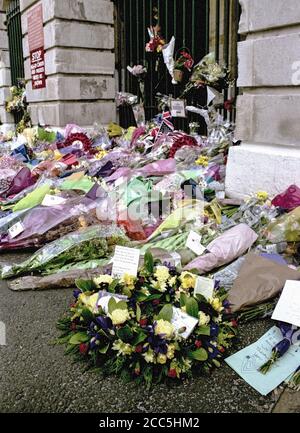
76 293
214 330
104 322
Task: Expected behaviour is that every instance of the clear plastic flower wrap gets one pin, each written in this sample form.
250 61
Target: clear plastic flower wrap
285 228
126 98
94 242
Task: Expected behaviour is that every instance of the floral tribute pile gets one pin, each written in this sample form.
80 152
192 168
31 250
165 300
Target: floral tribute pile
148 328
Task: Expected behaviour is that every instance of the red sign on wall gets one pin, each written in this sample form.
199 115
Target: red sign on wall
36 46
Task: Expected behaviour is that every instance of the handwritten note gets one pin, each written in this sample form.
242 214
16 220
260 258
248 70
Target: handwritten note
183 322
247 362
205 287
288 307
125 261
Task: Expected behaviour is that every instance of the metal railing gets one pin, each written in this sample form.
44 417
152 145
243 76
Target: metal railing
200 25
14 31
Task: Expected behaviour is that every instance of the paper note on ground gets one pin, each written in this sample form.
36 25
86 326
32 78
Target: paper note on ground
125 261
247 361
288 307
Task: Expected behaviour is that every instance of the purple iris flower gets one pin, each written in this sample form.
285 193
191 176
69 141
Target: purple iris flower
104 322
217 285
214 330
287 329
226 303
76 293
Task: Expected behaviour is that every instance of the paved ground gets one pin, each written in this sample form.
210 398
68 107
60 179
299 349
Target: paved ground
36 376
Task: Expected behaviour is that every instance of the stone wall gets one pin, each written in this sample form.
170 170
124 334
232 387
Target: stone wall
269 106
7 120
80 63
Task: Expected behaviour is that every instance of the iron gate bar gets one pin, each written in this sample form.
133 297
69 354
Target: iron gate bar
14 31
217 31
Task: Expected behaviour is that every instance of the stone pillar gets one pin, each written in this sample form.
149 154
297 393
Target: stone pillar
80 63
7 120
269 105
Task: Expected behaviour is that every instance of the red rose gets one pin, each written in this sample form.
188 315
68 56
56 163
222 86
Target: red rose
198 343
83 348
222 349
143 322
172 373
139 348
156 302
234 323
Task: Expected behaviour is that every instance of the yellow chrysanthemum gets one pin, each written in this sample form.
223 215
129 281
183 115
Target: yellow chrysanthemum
262 195
161 273
216 303
103 279
188 280
164 328
161 358
118 316
202 160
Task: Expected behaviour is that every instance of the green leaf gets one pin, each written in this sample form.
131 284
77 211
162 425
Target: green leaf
112 286
149 262
166 313
121 305
85 285
192 307
139 338
79 337
47 136
138 313
87 315
203 330
112 305
183 299
125 334
199 354
103 349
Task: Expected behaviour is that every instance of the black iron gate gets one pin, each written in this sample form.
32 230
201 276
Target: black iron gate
14 30
200 25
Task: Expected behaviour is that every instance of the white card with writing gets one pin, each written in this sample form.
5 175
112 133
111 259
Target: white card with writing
178 108
125 261
194 243
183 321
52 200
205 287
15 230
288 307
